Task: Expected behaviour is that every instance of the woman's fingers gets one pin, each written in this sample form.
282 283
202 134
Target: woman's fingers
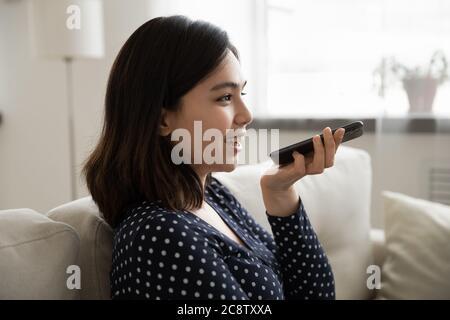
316 166
324 153
330 147
338 136
299 164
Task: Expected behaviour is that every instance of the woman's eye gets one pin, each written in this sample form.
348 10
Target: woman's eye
225 98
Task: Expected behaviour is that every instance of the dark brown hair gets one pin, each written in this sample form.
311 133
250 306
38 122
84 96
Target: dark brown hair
158 64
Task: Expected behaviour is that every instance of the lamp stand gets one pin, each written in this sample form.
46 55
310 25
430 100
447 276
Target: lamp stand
70 118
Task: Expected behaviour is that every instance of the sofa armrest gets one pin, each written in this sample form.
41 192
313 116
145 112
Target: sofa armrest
378 241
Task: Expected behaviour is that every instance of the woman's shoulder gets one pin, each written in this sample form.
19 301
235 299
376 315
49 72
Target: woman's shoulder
151 227
144 213
152 221
220 193
217 188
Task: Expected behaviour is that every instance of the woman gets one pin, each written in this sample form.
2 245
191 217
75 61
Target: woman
178 232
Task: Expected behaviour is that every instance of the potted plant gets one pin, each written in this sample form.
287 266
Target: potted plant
420 83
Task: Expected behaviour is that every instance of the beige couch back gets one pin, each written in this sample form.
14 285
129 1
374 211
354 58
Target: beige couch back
95 245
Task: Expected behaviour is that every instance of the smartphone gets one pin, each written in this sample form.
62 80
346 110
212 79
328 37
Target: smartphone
284 156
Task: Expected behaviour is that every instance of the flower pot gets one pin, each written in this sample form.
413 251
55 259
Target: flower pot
421 93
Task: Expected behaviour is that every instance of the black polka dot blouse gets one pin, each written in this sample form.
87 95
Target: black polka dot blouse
164 254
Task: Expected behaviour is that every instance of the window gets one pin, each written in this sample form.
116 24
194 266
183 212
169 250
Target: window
321 54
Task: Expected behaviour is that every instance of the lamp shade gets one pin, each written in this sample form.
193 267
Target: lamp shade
68 28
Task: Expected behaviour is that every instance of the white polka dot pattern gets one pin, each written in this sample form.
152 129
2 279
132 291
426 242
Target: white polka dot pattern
165 254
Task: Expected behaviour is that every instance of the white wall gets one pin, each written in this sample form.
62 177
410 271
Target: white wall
33 151
34 155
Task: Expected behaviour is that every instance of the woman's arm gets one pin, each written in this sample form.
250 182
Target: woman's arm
305 269
281 203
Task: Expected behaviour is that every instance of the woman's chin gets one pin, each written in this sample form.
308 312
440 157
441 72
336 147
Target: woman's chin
227 167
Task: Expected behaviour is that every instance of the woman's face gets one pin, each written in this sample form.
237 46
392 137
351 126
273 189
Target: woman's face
214 103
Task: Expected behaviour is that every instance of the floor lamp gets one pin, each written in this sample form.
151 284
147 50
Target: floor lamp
68 30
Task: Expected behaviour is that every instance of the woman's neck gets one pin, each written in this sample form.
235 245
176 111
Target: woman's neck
202 174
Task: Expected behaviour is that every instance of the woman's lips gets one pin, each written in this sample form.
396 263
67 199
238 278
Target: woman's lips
236 142
235 138
233 135
237 145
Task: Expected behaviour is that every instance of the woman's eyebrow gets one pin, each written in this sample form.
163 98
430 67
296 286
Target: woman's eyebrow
228 84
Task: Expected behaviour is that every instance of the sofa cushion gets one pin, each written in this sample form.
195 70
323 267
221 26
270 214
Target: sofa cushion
95 245
338 204
35 253
418 257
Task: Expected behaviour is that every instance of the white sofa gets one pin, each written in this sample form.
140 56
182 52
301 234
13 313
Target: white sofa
37 250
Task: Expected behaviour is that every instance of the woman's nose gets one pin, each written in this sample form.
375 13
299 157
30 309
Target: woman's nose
243 116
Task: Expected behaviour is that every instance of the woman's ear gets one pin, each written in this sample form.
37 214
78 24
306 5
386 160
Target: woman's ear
165 124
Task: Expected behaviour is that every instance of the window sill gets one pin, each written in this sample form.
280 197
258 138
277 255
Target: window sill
391 124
